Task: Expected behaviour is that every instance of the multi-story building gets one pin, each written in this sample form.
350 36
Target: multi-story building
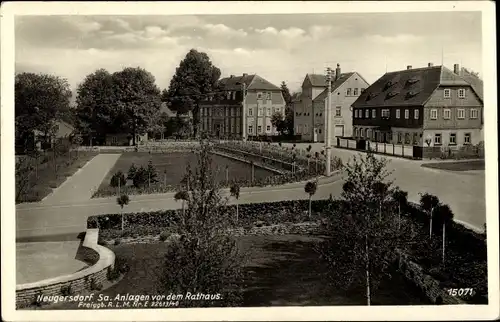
245 109
431 106
309 110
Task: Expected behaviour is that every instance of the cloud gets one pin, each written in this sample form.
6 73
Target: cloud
223 30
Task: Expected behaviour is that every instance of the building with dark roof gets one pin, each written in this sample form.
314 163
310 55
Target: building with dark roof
428 107
309 110
244 109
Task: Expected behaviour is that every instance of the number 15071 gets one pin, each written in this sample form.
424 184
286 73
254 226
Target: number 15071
460 291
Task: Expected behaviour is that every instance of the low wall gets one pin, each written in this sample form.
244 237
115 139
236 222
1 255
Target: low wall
426 283
100 258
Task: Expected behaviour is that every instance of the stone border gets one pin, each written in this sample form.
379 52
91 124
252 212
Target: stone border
98 257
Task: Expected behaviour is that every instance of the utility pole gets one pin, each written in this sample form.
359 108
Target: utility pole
244 113
327 122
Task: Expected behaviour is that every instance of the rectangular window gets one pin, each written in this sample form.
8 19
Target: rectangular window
355 114
338 111
453 138
367 114
400 137
259 128
298 129
417 114
407 114
305 128
356 92
268 111
447 114
437 139
268 128
349 91
259 96
398 113
461 113
228 95
461 93
250 111
234 95
467 137
374 113
434 114
250 129
259 111
268 96
447 93
386 113
474 113
415 138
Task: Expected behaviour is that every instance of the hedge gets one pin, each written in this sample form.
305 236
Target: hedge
466 250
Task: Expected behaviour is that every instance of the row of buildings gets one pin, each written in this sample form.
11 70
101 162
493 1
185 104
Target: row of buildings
429 106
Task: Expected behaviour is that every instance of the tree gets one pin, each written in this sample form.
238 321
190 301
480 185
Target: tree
183 196
122 201
428 203
235 192
360 249
152 173
381 193
205 258
277 120
137 99
288 119
310 188
401 198
96 105
444 216
24 172
40 100
194 80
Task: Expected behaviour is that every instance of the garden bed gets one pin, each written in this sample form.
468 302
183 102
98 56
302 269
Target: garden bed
49 173
466 250
457 166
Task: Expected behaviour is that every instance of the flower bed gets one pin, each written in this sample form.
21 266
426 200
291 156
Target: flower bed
466 250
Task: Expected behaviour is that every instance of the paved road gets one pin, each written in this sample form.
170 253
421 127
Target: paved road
463 191
84 182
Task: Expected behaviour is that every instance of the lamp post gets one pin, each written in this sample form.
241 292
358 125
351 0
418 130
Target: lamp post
327 122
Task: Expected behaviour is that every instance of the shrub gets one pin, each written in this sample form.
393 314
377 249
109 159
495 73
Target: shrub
66 290
131 172
94 285
118 179
112 274
117 241
164 235
92 223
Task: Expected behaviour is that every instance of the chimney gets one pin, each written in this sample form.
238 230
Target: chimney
337 72
456 69
408 67
245 74
232 76
430 64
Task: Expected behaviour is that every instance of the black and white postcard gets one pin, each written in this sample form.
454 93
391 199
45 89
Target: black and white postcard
249 161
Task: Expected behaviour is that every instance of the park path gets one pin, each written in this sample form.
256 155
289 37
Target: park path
81 185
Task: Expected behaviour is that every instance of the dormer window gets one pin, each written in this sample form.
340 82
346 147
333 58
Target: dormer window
411 94
391 94
370 96
447 93
461 93
259 96
412 80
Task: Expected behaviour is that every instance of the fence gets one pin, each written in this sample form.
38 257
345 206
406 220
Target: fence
401 150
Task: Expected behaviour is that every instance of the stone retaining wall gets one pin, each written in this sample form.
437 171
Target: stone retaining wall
426 283
100 258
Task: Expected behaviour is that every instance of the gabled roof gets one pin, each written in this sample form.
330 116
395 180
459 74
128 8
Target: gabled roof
252 82
335 84
317 80
412 87
474 81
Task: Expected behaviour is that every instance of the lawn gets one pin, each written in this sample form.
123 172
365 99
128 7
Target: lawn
280 271
457 166
171 167
48 174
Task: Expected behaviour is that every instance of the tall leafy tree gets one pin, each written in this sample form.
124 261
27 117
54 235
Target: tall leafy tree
96 104
288 119
40 100
137 99
194 79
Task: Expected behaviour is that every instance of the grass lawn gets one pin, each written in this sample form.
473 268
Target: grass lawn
457 166
171 167
281 270
46 178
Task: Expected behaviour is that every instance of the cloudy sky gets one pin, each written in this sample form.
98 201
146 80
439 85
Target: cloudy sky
277 47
